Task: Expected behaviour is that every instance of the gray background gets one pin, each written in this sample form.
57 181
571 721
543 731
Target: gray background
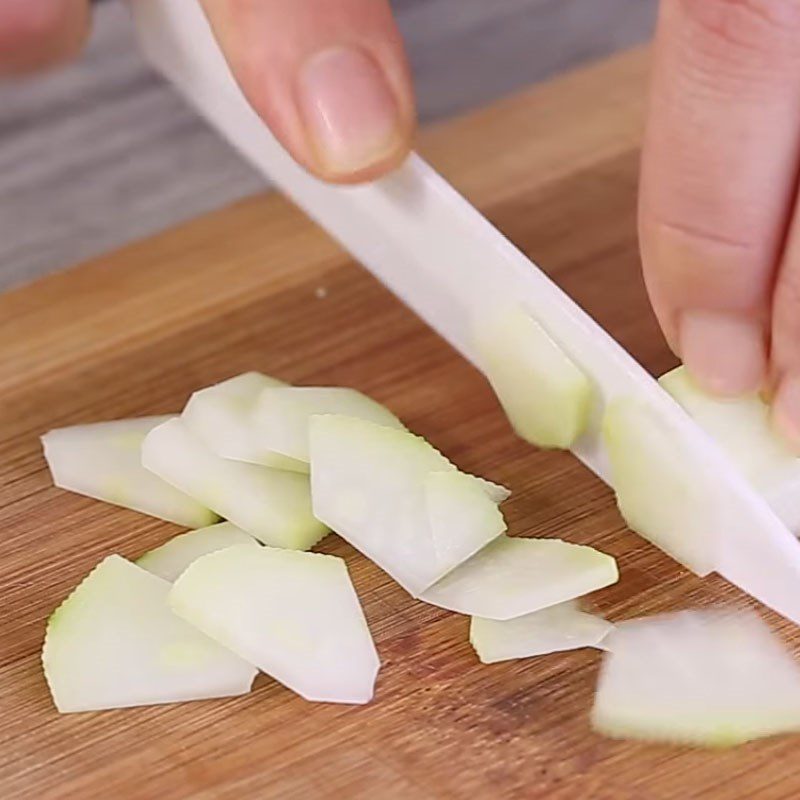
102 152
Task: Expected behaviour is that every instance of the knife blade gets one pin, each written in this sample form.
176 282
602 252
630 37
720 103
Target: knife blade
444 260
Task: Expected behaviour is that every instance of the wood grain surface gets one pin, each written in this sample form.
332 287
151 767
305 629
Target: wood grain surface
135 332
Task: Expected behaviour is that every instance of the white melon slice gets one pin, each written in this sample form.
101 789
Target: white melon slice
551 630
371 485
172 558
461 515
115 643
282 415
497 493
103 461
514 576
681 511
709 678
294 615
221 416
742 427
547 397
271 504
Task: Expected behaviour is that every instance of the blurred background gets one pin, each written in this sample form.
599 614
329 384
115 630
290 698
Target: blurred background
103 152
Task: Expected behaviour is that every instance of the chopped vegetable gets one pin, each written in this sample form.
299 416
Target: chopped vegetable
103 461
371 485
675 508
560 627
115 643
697 677
271 504
497 493
221 416
282 415
743 429
459 512
547 397
514 576
294 615
172 558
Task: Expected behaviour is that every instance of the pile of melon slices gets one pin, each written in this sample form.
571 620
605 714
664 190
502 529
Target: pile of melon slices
261 472
284 465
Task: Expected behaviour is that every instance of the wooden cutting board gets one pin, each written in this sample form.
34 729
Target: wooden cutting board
257 286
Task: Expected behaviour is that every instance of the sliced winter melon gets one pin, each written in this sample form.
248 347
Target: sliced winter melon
560 627
294 615
679 510
172 558
707 678
371 485
461 515
221 416
514 576
271 504
497 493
742 427
547 397
103 461
282 415
114 643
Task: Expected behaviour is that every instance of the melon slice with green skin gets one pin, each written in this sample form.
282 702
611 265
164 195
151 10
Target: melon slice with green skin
221 416
172 558
514 576
678 510
294 615
547 397
282 415
371 485
551 630
743 428
711 678
271 504
103 461
114 643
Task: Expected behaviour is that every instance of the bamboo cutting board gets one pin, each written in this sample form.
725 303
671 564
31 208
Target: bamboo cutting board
257 286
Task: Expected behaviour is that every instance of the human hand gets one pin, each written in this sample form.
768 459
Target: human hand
718 217
329 77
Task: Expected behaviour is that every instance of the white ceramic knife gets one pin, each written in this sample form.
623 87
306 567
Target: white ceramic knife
442 258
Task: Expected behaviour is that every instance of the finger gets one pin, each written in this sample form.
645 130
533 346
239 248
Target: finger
329 77
718 173
35 34
785 355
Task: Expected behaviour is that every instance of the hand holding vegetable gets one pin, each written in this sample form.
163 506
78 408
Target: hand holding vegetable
719 231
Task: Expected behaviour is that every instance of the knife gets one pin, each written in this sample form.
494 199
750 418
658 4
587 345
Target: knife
444 260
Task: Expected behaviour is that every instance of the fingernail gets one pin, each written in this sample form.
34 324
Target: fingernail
724 353
786 411
349 109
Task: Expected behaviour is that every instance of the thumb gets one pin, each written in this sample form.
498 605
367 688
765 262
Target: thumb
329 77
